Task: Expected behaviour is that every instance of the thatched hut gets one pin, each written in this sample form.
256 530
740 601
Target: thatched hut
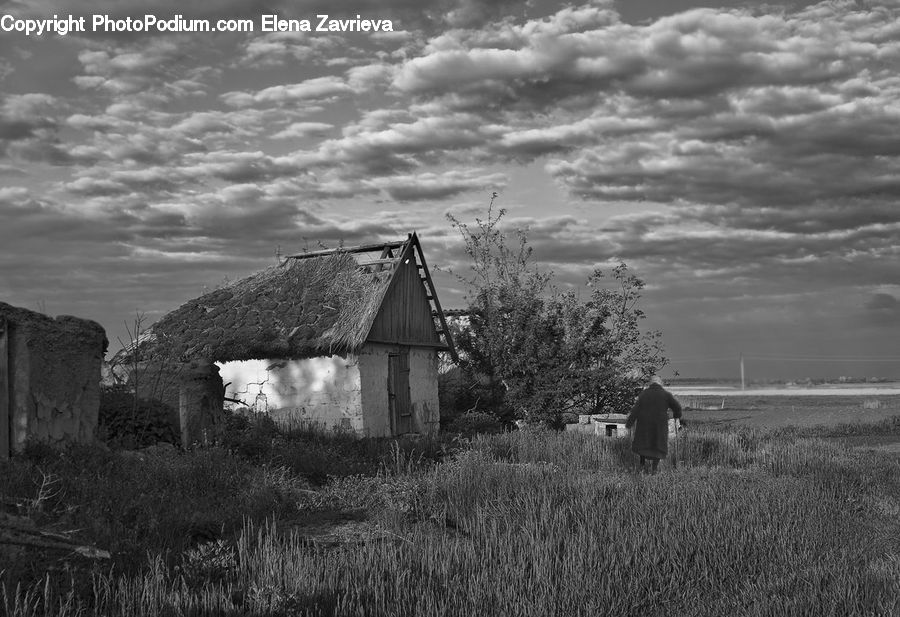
346 339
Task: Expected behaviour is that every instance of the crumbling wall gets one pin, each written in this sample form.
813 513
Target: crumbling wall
322 393
193 391
53 376
336 392
200 407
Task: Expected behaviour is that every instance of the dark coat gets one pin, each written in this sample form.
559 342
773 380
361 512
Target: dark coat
650 412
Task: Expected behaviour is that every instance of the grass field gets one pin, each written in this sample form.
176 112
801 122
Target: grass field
752 522
778 408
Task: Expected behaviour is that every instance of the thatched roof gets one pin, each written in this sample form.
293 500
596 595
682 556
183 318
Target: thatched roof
300 309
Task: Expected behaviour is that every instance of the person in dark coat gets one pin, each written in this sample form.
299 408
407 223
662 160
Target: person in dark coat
649 416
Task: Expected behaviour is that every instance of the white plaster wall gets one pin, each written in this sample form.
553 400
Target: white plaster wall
336 392
373 370
423 389
317 392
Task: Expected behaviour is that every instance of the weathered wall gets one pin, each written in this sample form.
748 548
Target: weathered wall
373 371
423 389
200 403
405 313
317 392
193 391
336 392
54 376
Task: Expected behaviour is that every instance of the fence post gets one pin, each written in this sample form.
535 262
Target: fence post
4 389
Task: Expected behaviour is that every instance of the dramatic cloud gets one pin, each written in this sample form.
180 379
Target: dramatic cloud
320 88
439 186
742 158
299 130
278 48
704 106
29 129
144 71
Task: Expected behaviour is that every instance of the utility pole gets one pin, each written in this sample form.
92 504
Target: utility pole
742 371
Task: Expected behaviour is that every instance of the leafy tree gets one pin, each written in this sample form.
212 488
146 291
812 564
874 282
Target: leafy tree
538 352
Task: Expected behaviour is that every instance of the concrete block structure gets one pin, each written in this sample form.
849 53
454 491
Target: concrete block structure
613 424
609 424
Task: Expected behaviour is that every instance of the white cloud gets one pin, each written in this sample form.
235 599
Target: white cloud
439 186
318 88
300 130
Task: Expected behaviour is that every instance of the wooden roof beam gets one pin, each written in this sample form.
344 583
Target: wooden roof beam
362 248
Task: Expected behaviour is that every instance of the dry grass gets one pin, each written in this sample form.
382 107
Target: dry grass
751 523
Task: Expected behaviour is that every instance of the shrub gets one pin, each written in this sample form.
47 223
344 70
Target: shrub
461 392
127 422
569 417
473 423
249 436
544 350
209 562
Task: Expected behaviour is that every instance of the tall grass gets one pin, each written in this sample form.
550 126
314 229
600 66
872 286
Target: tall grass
558 524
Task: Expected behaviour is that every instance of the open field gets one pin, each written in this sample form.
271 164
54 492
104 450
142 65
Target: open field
867 412
780 408
886 389
752 522
785 392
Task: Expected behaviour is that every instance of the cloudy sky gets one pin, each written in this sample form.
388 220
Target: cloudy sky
743 158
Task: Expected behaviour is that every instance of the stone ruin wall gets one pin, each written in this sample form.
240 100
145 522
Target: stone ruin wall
53 376
193 390
201 398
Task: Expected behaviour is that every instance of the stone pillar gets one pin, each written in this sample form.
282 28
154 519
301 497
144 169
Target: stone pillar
201 400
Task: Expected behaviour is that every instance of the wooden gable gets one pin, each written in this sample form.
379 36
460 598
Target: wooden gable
405 316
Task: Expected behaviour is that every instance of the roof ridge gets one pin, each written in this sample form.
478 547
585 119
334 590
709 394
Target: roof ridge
361 248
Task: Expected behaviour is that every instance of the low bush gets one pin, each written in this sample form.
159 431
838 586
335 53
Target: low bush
474 423
157 501
320 456
126 422
249 436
